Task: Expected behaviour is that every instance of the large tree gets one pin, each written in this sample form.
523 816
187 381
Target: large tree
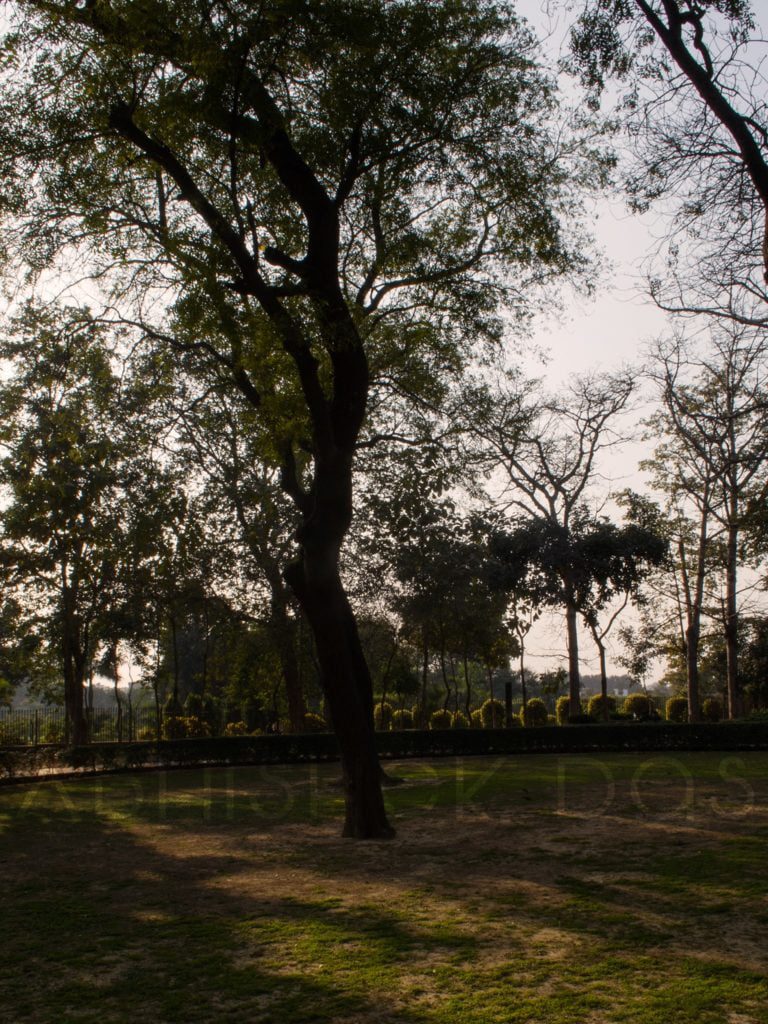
312 189
713 423
74 441
547 449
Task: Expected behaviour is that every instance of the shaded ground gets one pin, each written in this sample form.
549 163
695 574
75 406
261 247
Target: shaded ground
540 889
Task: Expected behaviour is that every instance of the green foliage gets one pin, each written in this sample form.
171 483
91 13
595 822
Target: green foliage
676 709
174 727
534 713
441 719
314 723
597 706
402 718
235 729
493 714
562 706
711 710
460 721
636 705
476 719
13 732
382 716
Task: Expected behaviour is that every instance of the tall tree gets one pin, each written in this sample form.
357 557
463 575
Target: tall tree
309 181
69 435
547 448
715 422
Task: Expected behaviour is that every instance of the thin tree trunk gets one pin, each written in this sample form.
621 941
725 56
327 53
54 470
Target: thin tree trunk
732 621
422 722
76 727
574 684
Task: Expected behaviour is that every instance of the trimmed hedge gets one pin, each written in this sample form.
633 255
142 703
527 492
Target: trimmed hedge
25 762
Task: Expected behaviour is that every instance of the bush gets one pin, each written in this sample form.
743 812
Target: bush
382 716
174 727
172 708
460 721
562 705
16 733
535 712
196 727
314 723
676 709
493 713
441 719
711 710
146 734
235 729
636 705
402 719
597 705
476 719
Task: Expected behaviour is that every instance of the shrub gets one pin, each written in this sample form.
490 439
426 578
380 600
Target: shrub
676 709
402 719
493 714
146 734
460 721
314 723
441 719
535 712
16 733
382 716
636 705
711 710
476 719
598 704
196 728
235 729
174 727
562 705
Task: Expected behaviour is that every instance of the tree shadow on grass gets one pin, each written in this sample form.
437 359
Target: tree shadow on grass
199 900
106 928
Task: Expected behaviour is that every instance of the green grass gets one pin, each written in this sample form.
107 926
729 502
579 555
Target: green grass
626 888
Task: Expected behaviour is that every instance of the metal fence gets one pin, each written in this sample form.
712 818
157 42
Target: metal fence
32 726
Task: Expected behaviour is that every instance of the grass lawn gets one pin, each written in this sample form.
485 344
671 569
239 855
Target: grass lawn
565 890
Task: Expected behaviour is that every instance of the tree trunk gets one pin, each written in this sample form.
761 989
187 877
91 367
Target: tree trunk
574 685
422 722
75 725
692 668
347 685
468 685
603 680
732 623
523 687
285 635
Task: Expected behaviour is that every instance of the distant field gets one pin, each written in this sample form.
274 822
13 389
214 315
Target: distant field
560 890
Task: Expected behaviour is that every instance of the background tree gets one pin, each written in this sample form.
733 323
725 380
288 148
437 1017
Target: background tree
547 449
715 420
70 433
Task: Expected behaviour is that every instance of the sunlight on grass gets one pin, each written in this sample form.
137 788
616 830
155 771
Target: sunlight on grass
538 890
